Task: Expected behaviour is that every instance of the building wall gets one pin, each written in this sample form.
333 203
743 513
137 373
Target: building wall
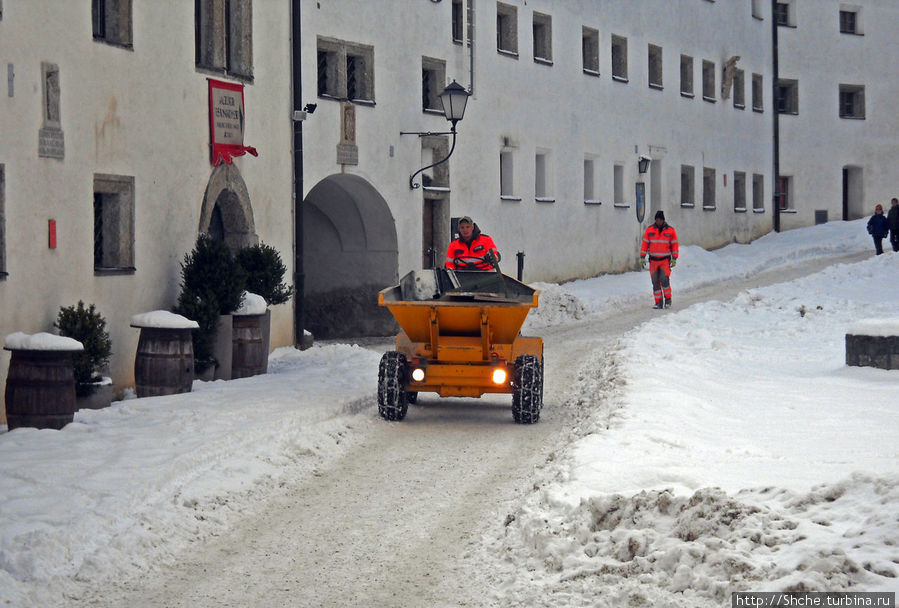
816 143
141 113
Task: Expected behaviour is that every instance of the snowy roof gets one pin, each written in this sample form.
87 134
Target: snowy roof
251 304
163 319
40 341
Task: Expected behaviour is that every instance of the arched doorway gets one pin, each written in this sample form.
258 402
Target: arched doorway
349 255
227 213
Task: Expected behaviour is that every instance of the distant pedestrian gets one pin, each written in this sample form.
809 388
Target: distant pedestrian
660 242
878 228
893 219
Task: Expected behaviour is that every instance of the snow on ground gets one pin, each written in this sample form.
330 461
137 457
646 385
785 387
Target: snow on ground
728 447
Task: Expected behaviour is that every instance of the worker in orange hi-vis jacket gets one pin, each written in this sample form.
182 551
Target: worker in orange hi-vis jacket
473 250
660 243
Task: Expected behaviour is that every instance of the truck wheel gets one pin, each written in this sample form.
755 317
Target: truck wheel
392 401
527 396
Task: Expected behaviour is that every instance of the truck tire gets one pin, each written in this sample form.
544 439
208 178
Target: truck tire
392 396
527 395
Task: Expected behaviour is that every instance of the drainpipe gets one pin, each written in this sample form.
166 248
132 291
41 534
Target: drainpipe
470 34
774 78
299 276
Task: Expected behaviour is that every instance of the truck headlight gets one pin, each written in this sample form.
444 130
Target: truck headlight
499 375
418 374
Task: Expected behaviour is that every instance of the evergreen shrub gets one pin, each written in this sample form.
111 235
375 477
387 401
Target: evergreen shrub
265 273
88 327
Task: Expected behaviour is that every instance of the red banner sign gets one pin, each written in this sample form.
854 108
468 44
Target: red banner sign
226 122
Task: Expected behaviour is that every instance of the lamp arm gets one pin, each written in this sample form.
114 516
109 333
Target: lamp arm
413 186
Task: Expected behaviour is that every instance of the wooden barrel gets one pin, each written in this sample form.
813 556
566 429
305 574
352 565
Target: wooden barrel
164 364
40 389
249 355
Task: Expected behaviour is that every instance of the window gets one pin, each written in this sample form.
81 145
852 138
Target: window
686 76
787 96
542 177
852 101
655 66
739 88
757 93
757 9
784 13
113 222
506 29
224 36
2 222
619 58
758 192
457 16
112 21
506 175
687 185
590 50
433 77
346 70
849 21
708 80
543 38
590 196
739 191
618 180
708 188
783 195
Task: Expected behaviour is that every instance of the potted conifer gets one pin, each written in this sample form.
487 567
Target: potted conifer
92 389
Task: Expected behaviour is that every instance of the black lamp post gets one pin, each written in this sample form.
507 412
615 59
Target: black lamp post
454 98
643 164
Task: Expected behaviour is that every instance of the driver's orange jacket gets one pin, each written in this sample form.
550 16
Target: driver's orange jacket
465 252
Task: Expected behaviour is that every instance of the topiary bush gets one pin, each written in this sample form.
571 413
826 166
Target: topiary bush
212 284
88 327
265 273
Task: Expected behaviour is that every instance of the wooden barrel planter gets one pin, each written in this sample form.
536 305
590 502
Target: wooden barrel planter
249 345
40 389
164 364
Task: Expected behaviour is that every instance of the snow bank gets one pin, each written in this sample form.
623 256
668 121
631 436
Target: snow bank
41 341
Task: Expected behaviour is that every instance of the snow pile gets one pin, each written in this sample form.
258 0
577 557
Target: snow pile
251 304
163 319
41 341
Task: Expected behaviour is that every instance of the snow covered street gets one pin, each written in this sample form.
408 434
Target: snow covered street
719 446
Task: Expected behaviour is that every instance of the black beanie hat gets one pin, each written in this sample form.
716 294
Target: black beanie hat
660 215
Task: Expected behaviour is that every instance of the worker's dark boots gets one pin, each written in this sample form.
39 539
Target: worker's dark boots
667 302
658 304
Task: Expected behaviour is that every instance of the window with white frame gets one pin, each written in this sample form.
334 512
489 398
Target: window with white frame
783 195
506 29
739 89
687 185
458 21
758 192
543 38
757 9
543 177
739 191
506 175
224 37
618 183
590 191
758 96
708 80
433 77
852 101
708 188
113 223
787 96
345 70
111 21
590 50
655 66
785 13
686 75
619 58
850 22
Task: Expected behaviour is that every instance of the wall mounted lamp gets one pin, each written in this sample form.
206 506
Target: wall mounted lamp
643 164
454 99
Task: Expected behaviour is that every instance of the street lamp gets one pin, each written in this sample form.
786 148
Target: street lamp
454 98
643 164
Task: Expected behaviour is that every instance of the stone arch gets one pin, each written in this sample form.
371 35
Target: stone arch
227 213
350 253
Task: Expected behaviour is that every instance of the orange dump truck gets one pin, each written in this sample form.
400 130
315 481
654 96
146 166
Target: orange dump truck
460 338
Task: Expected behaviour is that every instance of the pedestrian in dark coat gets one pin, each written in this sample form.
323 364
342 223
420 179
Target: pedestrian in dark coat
878 228
893 219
